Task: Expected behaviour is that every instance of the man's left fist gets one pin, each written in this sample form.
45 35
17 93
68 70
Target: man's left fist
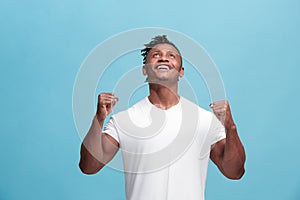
222 111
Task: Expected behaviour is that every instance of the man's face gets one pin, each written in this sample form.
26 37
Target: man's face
163 63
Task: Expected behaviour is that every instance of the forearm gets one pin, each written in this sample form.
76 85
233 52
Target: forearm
234 155
91 153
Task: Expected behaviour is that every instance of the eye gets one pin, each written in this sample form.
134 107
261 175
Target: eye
155 55
172 55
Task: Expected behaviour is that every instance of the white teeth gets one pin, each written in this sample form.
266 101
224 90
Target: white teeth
165 67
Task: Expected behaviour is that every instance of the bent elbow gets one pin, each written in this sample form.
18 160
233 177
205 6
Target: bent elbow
88 170
237 176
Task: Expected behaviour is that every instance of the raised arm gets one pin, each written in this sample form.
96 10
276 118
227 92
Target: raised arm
97 148
228 154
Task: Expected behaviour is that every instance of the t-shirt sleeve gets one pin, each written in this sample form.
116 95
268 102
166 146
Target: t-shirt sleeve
110 129
216 131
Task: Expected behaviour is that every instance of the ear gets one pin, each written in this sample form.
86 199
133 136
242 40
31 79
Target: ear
144 70
181 72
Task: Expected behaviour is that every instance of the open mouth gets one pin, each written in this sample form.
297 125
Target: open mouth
163 67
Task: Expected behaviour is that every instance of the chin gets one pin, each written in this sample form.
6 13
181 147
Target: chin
160 79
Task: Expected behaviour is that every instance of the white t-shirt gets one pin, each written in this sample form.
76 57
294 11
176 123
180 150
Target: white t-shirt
165 152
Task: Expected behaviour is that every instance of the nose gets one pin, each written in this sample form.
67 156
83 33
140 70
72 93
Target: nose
163 58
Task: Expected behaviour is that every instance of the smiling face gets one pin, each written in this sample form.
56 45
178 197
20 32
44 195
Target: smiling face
163 63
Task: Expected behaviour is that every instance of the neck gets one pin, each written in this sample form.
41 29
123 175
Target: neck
163 97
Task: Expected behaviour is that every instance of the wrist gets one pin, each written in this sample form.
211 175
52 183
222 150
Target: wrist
100 119
231 127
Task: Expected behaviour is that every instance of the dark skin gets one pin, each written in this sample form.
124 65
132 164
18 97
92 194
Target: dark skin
228 154
98 149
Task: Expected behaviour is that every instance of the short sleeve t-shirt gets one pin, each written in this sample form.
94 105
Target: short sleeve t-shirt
165 152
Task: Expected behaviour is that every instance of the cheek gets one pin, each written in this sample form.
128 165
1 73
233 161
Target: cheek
177 62
150 60
147 69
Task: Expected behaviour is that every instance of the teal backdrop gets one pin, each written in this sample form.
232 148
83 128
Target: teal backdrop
255 45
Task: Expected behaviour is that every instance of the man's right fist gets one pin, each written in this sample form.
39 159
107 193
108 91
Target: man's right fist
106 103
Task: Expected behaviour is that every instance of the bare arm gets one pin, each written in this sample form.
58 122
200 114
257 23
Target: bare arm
97 149
228 154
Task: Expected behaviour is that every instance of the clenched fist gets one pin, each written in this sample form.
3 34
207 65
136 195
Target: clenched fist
222 111
106 103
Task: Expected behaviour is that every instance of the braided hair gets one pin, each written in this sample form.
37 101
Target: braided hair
160 39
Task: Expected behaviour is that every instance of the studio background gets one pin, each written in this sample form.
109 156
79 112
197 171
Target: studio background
255 45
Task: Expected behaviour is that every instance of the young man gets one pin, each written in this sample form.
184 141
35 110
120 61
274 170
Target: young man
166 140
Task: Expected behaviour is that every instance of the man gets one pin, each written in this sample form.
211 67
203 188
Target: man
166 140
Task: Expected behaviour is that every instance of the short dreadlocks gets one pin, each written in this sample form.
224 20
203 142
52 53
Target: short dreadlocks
160 39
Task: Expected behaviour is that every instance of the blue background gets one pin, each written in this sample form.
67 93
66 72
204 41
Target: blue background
255 45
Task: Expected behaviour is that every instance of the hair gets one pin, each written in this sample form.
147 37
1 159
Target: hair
160 39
